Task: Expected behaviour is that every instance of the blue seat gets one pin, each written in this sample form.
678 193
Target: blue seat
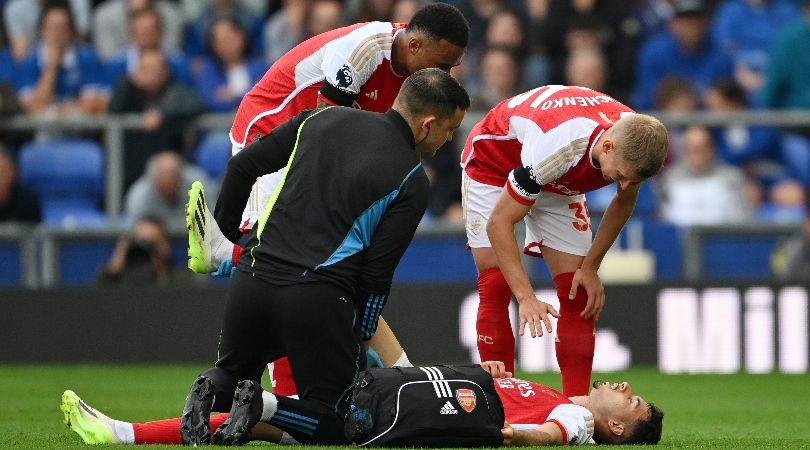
213 153
68 177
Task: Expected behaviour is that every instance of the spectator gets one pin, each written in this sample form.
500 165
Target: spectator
702 190
745 30
194 9
787 85
60 75
228 73
284 29
373 11
9 104
166 106
784 203
792 260
21 16
17 204
504 31
142 257
478 13
684 51
577 24
788 77
500 78
675 96
587 68
161 191
146 33
756 148
198 31
110 19
324 15
405 9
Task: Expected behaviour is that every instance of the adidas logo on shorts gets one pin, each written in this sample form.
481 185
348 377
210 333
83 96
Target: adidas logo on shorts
448 409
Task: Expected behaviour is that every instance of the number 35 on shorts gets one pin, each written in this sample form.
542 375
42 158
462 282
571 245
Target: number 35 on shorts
583 222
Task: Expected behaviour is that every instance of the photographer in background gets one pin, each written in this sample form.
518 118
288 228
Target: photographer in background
141 257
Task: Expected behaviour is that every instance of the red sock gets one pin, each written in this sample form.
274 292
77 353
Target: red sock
496 340
283 383
575 338
167 431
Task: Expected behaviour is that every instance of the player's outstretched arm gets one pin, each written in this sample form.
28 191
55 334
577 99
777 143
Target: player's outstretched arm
387 346
546 434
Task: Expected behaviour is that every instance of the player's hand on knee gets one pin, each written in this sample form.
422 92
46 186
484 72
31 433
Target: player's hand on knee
496 368
589 280
535 314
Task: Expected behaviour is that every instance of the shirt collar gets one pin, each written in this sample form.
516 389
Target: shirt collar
396 118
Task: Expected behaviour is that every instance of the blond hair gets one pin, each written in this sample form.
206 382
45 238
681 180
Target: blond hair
642 142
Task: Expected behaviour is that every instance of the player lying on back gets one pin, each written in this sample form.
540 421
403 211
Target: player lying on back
535 415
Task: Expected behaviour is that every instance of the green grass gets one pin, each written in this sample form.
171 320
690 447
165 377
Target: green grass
702 411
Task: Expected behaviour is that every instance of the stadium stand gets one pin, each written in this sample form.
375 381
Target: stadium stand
68 176
212 154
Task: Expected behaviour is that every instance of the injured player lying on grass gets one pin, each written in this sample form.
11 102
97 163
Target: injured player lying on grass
535 415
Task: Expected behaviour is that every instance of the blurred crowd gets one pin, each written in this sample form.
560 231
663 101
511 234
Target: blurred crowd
173 60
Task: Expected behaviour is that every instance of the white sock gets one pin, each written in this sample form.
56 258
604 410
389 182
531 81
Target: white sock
221 247
403 361
269 406
124 432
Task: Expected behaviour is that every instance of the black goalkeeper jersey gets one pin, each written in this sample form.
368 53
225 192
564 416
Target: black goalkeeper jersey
346 210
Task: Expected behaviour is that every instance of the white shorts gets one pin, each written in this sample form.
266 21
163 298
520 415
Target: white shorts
259 194
557 221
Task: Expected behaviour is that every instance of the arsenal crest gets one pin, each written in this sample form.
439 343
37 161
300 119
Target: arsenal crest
466 399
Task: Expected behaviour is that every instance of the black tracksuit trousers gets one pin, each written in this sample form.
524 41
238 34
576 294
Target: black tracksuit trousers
315 325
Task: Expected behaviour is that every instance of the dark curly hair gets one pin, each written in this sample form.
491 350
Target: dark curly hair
441 21
647 431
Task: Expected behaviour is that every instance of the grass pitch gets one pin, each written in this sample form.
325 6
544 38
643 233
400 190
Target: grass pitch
701 411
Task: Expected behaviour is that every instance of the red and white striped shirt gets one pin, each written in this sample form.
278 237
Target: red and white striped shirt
355 59
550 131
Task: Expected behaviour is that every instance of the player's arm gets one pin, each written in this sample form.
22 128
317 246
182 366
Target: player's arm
349 63
331 95
501 231
387 346
391 238
546 434
496 368
565 424
509 210
268 155
615 217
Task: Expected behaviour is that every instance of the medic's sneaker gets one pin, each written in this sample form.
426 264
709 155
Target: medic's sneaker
89 423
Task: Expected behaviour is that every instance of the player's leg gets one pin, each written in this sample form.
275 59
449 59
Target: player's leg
247 342
496 338
94 427
560 226
207 246
384 343
325 355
